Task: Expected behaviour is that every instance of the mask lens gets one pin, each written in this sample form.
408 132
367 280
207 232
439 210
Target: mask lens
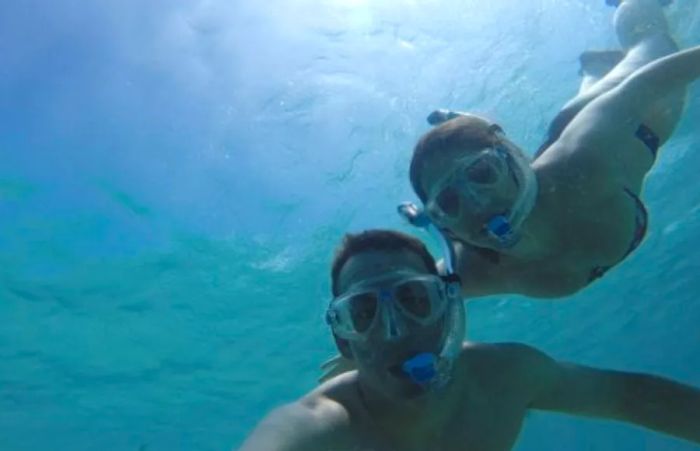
363 308
414 299
448 201
483 172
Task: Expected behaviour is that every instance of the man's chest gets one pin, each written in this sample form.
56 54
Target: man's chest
482 428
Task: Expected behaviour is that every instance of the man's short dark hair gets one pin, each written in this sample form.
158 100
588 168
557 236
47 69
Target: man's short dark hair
377 240
461 134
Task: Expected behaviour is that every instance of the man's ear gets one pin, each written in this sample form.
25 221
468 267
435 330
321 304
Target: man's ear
343 347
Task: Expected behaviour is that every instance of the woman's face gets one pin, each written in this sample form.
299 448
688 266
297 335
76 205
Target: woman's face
464 190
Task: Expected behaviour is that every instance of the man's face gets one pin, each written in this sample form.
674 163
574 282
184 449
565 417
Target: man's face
380 357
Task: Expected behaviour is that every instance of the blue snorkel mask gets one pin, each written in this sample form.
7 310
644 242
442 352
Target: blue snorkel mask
428 370
503 229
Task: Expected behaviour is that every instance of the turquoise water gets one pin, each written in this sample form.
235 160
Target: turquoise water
175 175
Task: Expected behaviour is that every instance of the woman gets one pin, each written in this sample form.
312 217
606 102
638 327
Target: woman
548 228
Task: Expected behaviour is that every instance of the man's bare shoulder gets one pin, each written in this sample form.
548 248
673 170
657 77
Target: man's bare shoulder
319 419
329 405
504 365
503 352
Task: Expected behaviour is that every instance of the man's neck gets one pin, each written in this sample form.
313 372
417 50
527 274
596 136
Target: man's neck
406 423
397 413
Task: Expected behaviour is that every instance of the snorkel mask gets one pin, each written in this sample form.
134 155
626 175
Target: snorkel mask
488 167
401 300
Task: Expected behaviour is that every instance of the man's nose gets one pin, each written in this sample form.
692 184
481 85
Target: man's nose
394 326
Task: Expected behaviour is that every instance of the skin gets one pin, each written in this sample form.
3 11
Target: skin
643 34
484 406
583 218
583 170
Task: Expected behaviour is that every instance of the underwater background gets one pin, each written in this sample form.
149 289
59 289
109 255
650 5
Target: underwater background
174 177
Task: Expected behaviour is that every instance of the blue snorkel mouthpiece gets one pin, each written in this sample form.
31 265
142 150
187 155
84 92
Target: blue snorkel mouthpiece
421 368
500 229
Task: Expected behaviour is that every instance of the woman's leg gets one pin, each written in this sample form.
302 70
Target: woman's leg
596 64
637 20
642 30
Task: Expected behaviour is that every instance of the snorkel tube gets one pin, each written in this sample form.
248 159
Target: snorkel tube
417 217
504 229
426 369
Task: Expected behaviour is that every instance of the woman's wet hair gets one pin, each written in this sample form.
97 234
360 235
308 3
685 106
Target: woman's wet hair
377 240
459 135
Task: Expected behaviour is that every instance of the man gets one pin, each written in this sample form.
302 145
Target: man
415 390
